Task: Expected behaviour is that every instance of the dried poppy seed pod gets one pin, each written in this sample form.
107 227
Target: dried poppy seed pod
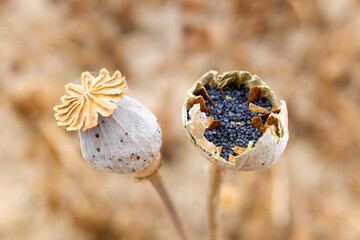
124 138
126 142
272 123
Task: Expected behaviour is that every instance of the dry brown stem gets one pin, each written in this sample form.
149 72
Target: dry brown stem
216 178
151 174
158 183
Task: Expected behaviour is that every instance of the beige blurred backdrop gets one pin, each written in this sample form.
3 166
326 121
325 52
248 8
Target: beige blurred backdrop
308 52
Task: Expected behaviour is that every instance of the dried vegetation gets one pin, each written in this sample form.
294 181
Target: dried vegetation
307 51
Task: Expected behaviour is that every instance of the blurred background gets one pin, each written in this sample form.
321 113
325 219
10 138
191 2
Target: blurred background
307 51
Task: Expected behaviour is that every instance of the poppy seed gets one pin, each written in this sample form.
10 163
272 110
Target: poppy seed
228 112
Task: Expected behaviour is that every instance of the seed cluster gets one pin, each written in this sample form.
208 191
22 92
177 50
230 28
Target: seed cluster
229 112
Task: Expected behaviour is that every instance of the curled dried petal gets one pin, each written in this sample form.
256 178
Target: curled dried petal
273 121
219 150
231 158
257 109
239 150
275 109
205 95
257 122
254 94
209 121
212 124
200 100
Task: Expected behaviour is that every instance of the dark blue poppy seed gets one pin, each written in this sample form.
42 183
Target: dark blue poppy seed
230 111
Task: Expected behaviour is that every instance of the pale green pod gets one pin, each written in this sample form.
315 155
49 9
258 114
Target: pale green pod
126 142
269 146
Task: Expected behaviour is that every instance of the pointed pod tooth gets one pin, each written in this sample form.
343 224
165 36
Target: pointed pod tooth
205 95
273 121
254 94
200 100
231 158
126 142
206 145
219 150
197 128
257 109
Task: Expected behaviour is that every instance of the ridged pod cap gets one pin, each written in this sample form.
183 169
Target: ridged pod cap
124 138
269 146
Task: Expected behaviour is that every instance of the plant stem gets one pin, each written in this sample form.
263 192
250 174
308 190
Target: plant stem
158 183
216 178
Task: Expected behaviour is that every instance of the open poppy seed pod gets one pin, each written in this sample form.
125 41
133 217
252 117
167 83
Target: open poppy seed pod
124 138
271 125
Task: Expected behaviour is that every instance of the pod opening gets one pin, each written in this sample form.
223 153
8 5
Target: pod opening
230 121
